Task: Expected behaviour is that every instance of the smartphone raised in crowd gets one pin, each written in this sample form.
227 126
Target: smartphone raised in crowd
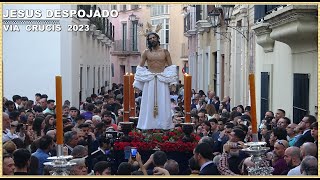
127 152
134 152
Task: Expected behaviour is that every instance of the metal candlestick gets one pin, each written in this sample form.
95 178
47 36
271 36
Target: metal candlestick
126 127
59 163
134 120
187 129
257 151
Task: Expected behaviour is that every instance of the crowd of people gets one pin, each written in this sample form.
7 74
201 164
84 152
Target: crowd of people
29 137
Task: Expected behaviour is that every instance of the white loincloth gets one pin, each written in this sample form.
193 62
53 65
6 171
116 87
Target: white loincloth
145 81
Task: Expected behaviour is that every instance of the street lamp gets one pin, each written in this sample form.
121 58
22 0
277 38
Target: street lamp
227 12
214 17
132 17
223 15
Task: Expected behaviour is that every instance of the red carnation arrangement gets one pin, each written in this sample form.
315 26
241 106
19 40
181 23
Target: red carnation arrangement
166 141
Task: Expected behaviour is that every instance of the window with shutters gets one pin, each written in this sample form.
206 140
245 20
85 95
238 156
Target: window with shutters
134 7
124 36
265 77
158 10
300 96
134 35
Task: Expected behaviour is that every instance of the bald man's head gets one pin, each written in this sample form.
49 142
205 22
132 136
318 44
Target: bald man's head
292 156
309 149
309 166
172 166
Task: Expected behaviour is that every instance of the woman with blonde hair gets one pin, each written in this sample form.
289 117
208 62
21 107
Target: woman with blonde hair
9 146
211 110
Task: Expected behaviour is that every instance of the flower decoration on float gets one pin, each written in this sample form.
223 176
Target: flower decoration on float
167 141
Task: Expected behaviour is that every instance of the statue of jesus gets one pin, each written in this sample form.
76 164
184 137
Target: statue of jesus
154 82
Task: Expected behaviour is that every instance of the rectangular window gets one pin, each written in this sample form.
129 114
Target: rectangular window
112 70
123 8
264 93
88 80
135 36
98 77
300 96
124 36
94 80
133 69
158 10
134 6
114 7
81 74
81 78
103 74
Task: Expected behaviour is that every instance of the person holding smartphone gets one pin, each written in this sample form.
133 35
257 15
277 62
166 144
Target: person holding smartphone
135 157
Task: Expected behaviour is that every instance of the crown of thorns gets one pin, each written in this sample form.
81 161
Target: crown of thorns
149 29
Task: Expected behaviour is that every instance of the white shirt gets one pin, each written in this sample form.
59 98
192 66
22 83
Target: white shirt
17 105
7 135
205 164
295 171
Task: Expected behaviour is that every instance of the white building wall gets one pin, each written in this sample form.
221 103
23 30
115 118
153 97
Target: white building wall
279 64
282 65
31 60
27 63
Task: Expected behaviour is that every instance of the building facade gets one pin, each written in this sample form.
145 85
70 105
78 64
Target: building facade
286 72
261 39
128 45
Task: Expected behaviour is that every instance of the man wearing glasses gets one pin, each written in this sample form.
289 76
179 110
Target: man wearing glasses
305 126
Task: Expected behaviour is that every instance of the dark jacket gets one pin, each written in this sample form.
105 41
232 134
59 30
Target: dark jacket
306 137
210 169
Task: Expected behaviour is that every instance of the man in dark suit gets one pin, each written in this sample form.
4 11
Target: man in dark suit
70 140
203 155
305 125
211 95
102 154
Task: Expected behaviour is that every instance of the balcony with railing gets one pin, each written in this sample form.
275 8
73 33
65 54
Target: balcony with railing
294 25
192 15
260 11
125 48
101 24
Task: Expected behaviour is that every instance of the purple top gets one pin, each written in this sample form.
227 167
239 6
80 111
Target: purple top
280 166
87 115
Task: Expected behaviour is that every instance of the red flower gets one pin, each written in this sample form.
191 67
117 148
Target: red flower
165 138
172 134
167 141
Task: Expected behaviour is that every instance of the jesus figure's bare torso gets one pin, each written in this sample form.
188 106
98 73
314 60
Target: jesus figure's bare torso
156 59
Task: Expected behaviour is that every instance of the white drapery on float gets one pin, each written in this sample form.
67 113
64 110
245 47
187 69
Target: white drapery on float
155 92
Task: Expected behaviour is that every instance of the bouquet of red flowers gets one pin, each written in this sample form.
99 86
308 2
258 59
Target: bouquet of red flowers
159 139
